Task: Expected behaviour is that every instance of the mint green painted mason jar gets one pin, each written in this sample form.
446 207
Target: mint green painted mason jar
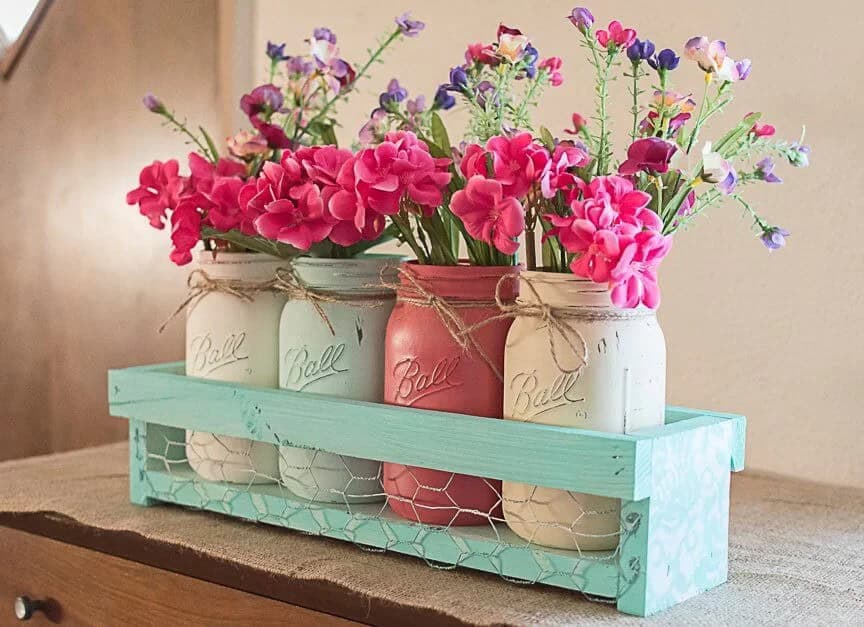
347 362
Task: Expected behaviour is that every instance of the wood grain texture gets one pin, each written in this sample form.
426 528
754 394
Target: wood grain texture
89 282
585 461
84 587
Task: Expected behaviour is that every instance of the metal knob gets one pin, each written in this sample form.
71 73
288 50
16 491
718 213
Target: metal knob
25 607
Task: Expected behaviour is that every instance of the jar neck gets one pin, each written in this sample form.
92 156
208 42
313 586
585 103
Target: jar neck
562 290
363 273
461 282
241 266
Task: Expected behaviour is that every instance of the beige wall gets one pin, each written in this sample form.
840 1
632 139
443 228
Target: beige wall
774 336
85 281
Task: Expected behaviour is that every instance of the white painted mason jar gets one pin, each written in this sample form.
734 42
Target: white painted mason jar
347 362
233 339
620 388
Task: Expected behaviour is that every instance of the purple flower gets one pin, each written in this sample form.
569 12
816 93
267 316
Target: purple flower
582 19
153 103
458 78
666 60
299 65
409 27
765 171
276 52
640 50
728 184
743 68
774 237
395 93
486 90
799 156
263 98
323 33
418 105
443 99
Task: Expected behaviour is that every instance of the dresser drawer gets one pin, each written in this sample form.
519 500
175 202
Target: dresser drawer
83 587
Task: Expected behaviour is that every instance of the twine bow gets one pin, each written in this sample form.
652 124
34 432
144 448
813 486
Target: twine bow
200 284
295 288
461 333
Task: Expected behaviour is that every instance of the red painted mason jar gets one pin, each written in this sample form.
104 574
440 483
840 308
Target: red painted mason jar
424 367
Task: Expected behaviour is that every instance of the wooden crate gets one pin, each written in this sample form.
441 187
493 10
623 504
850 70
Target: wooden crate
673 480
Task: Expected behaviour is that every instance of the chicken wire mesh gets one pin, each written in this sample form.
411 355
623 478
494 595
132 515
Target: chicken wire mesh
326 494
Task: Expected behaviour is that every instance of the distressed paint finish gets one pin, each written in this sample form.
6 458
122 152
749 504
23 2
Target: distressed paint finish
674 518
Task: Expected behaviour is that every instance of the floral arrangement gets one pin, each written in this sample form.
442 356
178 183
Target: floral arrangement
270 192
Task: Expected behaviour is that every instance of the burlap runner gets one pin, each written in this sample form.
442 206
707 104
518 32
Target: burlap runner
796 554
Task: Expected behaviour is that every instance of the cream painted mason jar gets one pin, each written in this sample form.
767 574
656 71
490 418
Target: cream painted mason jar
233 339
347 362
620 388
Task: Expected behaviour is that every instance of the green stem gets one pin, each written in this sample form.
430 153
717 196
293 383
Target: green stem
635 109
361 73
182 128
407 232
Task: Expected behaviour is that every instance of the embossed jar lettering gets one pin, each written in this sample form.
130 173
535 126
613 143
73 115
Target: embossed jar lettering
347 362
619 387
428 369
234 339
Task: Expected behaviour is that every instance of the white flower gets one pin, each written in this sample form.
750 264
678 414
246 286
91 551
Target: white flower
714 167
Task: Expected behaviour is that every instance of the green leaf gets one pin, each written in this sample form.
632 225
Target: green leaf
736 133
214 154
328 135
439 134
547 139
253 243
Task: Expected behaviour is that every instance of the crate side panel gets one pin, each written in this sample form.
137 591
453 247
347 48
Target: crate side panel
496 551
606 464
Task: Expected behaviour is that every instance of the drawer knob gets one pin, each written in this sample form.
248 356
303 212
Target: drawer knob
25 607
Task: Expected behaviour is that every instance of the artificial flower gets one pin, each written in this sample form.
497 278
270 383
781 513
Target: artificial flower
512 44
276 52
299 220
556 174
481 53
458 78
553 66
153 103
616 37
247 144
159 189
716 169
185 232
394 93
743 68
489 214
640 50
634 276
443 99
274 182
582 19
799 155
665 61
517 162
579 123
765 171
263 99
409 27
651 154
774 237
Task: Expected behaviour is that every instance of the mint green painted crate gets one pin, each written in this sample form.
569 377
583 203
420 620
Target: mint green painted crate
673 480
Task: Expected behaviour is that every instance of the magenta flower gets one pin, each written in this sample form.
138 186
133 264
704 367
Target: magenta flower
274 182
517 162
582 19
263 99
298 220
553 66
159 190
481 53
762 130
203 173
634 277
185 231
489 214
557 174
223 210
617 37
650 154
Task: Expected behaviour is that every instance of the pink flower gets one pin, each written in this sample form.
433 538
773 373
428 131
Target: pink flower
298 216
322 165
761 130
617 36
599 257
274 182
481 53
553 66
247 144
517 162
489 214
223 211
578 124
159 190
204 173
630 204
557 175
650 154
634 277
355 220
185 231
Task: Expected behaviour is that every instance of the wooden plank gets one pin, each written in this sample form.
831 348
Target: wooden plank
84 587
494 550
606 464
691 419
